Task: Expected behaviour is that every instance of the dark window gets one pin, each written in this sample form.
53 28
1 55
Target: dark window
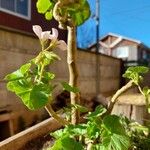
20 8
8 4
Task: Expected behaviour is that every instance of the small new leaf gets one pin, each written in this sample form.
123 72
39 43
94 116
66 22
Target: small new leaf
49 15
18 74
43 5
82 109
134 73
51 56
67 143
98 112
69 88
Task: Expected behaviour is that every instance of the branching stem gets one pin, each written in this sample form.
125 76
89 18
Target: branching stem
115 97
73 74
53 114
66 21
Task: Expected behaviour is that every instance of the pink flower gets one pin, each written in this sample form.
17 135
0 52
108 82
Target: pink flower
45 35
60 44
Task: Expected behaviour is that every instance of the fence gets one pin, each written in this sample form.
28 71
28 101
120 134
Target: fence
17 49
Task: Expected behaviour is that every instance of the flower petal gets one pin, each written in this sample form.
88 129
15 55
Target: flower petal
54 34
37 30
62 45
45 35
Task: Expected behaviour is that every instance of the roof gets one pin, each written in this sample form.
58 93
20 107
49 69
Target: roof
120 36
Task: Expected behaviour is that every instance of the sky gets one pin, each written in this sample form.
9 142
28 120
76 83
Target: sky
130 18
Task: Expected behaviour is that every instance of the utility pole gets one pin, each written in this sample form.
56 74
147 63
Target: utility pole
97 47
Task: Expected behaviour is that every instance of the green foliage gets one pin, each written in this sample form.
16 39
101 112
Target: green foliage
49 15
109 133
99 111
82 109
67 143
134 73
69 88
106 134
114 137
139 134
32 83
45 7
78 12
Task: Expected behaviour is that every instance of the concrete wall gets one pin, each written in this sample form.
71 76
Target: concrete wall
86 61
16 49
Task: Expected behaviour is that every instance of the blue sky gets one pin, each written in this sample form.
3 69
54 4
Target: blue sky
130 18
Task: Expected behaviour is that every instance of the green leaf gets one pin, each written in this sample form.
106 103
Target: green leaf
34 97
80 108
139 69
93 130
113 121
14 76
58 133
98 112
146 91
134 73
18 86
51 56
49 15
43 5
18 74
39 95
114 136
79 12
115 142
67 143
47 76
76 130
25 68
69 88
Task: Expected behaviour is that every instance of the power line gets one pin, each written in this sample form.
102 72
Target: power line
130 10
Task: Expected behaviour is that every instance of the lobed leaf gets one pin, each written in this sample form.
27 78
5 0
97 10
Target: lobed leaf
80 108
79 12
43 5
18 74
69 88
115 142
111 122
66 143
49 15
98 112
134 73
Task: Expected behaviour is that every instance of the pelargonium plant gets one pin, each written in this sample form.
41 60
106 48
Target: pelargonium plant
33 84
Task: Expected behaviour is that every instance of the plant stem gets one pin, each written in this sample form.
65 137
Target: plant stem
65 21
41 73
145 96
53 114
73 74
89 146
115 97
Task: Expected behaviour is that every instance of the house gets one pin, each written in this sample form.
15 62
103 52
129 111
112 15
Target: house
18 45
20 15
119 46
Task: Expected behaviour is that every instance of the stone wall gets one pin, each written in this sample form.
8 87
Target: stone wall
17 49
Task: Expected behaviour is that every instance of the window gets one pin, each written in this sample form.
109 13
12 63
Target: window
122 52
20 8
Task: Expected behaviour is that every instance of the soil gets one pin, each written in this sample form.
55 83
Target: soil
41 143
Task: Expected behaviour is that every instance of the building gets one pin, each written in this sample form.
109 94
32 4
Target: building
20 15
128 49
